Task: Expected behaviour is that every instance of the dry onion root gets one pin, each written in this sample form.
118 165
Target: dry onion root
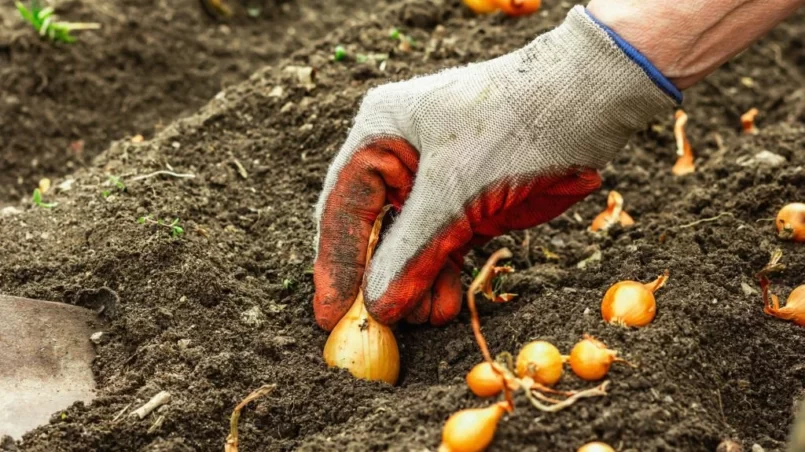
613 214
630 303
684 164
794 308
539 366
748 122
361 344
232 440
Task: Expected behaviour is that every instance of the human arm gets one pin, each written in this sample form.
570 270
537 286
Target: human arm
471 153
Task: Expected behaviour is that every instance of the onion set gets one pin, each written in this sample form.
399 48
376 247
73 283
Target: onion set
596 446
613 214
590 359
472 430
684 163
361 344
748 122
794 309
790 222
630 303
509 7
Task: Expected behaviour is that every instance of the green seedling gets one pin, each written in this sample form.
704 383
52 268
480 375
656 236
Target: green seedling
406 42
340 53
36 200
175 229
44 22
116 183
288 284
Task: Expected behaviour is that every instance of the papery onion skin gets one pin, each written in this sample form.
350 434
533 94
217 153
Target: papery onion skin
483 381
629 303
471 430
794 308
364 346
541 361
590 359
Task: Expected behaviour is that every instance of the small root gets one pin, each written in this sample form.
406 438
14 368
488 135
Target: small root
598 391
707 220
232 439
162 173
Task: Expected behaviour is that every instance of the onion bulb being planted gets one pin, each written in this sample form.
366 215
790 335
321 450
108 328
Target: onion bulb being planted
519 7
472 430
613 214
361 344
541 361
791 222
596 447
484 381
630 303
590 359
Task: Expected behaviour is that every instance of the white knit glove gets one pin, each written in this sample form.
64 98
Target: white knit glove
468 154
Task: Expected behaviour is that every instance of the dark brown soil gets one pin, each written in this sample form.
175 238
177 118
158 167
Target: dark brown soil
711 366
151 62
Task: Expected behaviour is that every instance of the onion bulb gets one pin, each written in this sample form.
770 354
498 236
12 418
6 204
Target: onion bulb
613 214
482 6
518 7
794 308
596 446
590 359
791 222
361 344
484 381
541 361
630 303
684 163
748 121
472 430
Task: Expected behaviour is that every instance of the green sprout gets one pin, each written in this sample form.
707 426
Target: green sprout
116 183
175 229
340 53
44 22
288 284
395 34
36 200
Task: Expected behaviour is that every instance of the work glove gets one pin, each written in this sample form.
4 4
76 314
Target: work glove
470 153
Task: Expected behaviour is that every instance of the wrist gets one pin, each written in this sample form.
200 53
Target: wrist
687 40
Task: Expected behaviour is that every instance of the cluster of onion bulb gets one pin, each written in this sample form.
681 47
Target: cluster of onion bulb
539 365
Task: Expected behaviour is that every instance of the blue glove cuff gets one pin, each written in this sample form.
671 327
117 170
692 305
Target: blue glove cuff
653 73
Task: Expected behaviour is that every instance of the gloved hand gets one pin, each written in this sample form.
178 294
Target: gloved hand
468 154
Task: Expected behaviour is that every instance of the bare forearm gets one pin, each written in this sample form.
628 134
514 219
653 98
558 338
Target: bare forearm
688 39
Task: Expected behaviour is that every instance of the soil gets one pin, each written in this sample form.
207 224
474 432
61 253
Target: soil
151 62
225 308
